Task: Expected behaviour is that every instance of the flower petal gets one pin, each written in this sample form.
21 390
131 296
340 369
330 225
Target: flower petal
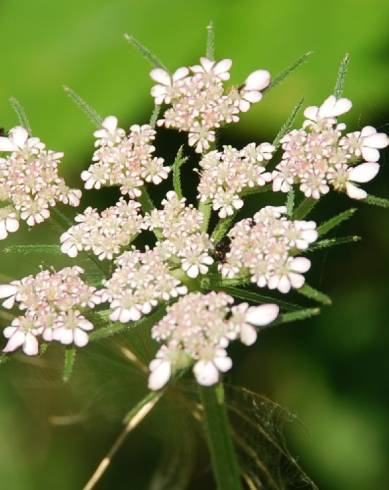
161 76
258 80
160 375
364 172
206 373
262 315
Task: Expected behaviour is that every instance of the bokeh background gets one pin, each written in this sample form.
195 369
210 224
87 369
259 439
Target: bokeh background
331 371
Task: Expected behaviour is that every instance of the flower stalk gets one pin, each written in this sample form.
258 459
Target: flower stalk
224 460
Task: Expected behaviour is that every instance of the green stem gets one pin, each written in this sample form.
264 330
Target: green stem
224 461
205 208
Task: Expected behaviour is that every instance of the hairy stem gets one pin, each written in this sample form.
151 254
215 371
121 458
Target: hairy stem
224 461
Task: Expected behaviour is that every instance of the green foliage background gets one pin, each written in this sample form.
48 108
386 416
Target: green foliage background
332 371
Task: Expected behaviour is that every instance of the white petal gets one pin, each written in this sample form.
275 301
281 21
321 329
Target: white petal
193 271
364 172
31 346
262 315
258 80
222 66
248 335
161 76
3 230
160 375
7 145
19 136
206 373
284 285
7 290
252 96
300 264
15 341
80 337
110 123
327 107
370 154
180 73
377 140
223 363
342 106
8 303
12 224
311 112
9 331
297 280
355 192
244 106
207 64
125 315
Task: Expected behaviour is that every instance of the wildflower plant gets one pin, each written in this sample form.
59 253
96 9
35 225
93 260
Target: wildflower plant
201 283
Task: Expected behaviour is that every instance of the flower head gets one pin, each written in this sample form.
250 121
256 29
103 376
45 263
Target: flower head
29 181
197 331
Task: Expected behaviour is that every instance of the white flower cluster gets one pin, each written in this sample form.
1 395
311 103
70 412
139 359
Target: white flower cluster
139 283
318 155
52 302
198 329
124 160
199 102
265 246
103 234
29 181
226 174
182 238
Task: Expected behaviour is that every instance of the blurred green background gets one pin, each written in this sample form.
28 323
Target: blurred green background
332 371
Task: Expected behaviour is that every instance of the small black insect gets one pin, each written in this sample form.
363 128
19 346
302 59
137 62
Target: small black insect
221 249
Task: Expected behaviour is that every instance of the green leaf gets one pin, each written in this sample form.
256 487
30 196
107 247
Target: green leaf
304 208
289 70
21 114
224 460
145 52
222 227
332 242
377 201
290 203
87 109
210 49
154 116
258 298
343 67
256 190
288 124
70 358
33 249
294 316
177 164
329 225
311 293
